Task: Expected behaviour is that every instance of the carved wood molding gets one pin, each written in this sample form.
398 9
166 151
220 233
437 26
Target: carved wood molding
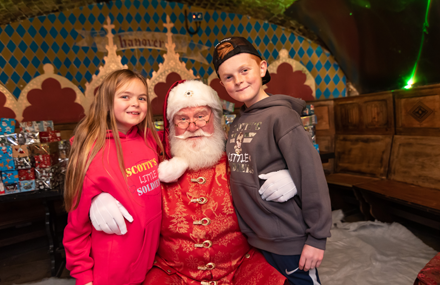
171 64
37 82
296 66
11 101
112 63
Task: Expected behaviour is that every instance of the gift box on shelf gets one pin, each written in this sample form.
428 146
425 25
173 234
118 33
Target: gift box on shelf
36 126
2 188
46 160
7 164
48 178
10 139
31 137
308 110
311 131
45 126
30 126
5 151
20 151
10 177
44 148
7 126
26 174
309 120
12 188
27 185
24 162
50 136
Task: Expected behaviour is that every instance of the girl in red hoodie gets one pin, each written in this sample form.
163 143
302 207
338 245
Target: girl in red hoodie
114 151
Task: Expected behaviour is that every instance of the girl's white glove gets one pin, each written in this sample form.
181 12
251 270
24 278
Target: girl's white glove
279 186
107 215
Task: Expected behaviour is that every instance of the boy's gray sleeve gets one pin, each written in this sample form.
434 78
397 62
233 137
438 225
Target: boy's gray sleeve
307 172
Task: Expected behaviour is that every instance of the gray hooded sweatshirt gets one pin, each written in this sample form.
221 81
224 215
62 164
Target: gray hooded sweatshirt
269 136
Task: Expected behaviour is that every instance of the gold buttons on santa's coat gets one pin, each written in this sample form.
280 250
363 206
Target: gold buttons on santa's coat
208 283
203 222
155 262
169 271
208 266
200 180
205 244
201 200
247 255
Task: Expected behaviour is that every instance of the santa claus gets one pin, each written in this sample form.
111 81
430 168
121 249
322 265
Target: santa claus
200 242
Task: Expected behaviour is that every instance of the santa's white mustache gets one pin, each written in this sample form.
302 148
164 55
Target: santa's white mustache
198 133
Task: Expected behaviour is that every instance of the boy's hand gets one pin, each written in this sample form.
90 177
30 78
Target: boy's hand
279 186
311 258
107 214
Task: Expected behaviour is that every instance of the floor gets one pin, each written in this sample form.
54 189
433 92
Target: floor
30 262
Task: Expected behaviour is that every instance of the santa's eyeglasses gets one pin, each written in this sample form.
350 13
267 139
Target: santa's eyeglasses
200 122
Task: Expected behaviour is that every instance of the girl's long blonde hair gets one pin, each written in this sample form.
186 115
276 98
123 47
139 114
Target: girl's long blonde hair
90 134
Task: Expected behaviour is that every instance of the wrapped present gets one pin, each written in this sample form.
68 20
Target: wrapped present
46 160
316 146
5 151
10 177
228 106
27 185
36 126
48 178
308 110
311 131
2 188
26 174
7 164
31 137
64 144
44 148
10 139
20 151
309 120
7 126
50 136
12 188
44 126
24 162
30 126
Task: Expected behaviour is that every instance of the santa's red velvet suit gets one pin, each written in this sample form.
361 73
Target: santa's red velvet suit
200 240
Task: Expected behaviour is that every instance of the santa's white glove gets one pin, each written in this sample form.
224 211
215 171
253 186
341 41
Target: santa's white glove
171 170
107 215
279 186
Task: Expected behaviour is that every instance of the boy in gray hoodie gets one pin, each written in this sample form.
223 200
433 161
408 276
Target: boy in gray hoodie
267 137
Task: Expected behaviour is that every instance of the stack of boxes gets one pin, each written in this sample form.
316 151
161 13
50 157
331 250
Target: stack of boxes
32 159
309 121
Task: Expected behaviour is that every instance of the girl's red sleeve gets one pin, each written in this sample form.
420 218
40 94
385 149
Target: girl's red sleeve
77 236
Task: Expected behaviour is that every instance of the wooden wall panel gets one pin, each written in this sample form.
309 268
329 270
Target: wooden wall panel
371 114
363 154
325 130
416 160
418 111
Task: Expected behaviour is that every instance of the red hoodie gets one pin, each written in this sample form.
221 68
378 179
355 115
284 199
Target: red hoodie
113 259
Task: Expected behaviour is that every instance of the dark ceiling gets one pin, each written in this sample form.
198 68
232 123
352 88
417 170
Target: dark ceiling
379 44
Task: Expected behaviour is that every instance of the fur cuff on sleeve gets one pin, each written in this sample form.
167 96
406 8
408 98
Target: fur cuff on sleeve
171 170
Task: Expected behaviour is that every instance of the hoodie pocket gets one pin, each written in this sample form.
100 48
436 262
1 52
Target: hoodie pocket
254 212
144 262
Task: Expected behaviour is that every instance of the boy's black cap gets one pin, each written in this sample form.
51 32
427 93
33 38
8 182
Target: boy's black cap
240 45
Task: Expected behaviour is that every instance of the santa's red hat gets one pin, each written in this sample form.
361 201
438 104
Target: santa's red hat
186 94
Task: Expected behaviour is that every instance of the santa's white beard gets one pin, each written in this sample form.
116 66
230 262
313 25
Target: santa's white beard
202 152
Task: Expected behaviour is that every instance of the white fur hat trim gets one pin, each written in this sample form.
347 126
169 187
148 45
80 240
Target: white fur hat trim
191 93
171 170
